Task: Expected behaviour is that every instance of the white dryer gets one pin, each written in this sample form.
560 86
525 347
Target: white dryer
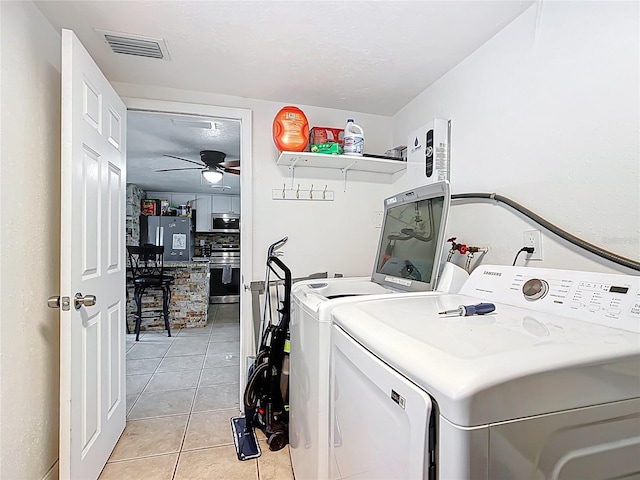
407 262
547 386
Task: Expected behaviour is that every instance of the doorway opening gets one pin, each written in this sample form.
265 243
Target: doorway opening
169 159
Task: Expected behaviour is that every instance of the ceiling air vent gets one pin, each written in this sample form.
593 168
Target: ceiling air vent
137 45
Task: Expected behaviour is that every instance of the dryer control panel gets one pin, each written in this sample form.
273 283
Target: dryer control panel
606 299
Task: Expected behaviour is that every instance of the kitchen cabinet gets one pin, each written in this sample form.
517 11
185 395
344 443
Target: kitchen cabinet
175 199
203 213
160 195
226 204
235 204
178 199
204 205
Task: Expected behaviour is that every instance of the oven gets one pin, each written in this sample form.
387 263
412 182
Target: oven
225 276
225 223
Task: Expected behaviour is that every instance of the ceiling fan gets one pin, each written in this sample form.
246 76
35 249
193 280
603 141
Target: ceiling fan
212 164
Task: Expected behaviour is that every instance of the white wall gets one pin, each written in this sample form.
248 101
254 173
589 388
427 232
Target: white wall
29 233
546 113
336 236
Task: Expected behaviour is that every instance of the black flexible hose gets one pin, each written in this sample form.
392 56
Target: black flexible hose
590 247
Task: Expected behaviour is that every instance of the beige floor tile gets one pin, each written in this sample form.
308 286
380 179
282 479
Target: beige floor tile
216 360
209 429
157 404
150 468
224 347
228 309
180 349
156 336
225 327
196 331
274 465
219 336
152 436
152 350
218 397
190 339
215 463
181 380
145 365
174 364
227 321
136 383
219 376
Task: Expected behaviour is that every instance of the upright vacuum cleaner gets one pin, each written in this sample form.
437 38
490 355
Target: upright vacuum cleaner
266 395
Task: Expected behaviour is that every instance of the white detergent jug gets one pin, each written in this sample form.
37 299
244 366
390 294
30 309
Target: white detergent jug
353 139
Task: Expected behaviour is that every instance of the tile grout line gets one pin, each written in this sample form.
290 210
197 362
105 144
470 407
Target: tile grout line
193 401
216 322
149 381
155 372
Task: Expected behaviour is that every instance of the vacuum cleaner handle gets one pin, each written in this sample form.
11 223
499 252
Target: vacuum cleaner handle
274 247
287 277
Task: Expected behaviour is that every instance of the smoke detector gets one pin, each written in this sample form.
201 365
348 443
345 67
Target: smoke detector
137 45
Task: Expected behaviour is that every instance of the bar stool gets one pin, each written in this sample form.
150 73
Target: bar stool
147 270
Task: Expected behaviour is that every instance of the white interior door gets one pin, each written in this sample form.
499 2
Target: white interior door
92 369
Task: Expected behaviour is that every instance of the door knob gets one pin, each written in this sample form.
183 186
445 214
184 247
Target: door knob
86 300
55 301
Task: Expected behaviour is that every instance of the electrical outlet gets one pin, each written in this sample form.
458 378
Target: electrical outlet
533 238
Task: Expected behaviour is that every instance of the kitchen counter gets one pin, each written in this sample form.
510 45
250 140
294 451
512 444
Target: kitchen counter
189 298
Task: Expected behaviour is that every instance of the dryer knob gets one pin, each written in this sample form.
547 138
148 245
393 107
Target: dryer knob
535 289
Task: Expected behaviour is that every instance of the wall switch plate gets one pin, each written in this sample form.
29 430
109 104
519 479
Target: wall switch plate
377 219
533 238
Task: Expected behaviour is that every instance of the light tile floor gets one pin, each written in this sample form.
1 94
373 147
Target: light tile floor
181 393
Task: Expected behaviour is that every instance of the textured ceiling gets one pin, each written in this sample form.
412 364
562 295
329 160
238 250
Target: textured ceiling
151 136
361 56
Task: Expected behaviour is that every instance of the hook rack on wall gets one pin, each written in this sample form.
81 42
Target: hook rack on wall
311 194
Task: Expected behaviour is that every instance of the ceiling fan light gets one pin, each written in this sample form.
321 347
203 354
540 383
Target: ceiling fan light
212 176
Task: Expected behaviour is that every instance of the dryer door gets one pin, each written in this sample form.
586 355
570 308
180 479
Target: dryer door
379 419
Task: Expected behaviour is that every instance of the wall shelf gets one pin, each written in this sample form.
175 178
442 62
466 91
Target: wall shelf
344 163
320 160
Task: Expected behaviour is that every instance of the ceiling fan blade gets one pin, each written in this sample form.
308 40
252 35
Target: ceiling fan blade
185 160
230 164
176 169
233 171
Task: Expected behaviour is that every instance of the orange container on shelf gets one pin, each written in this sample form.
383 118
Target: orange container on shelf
290 130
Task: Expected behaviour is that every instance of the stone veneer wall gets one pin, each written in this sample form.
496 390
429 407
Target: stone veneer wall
189 299
134 196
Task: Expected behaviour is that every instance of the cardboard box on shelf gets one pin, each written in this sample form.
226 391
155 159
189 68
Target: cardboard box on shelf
322 135
149 206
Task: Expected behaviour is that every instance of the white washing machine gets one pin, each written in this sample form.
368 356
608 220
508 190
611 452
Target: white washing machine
409 252
545 387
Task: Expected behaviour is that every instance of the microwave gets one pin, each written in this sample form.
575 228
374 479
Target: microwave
225 223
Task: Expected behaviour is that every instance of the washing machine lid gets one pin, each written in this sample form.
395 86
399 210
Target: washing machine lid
412 238
514 363
324 294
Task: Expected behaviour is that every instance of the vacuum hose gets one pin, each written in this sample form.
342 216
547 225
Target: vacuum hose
601 252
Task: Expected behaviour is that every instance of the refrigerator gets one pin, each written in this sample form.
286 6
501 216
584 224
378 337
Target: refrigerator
174 233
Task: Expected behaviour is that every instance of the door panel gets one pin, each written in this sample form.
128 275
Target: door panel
115 220
115 356
92 370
